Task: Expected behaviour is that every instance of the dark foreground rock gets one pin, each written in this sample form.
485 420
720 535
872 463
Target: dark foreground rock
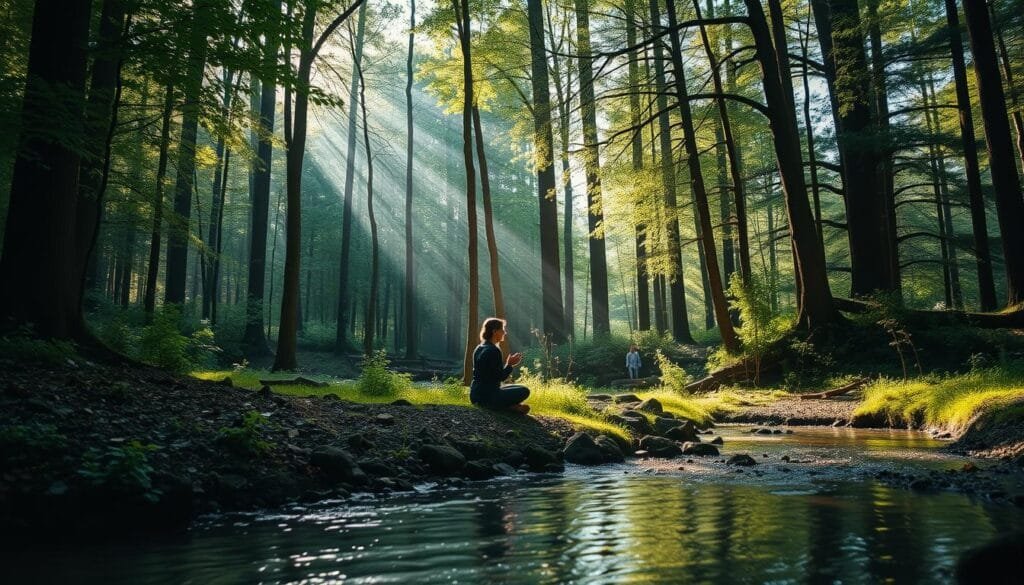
88 450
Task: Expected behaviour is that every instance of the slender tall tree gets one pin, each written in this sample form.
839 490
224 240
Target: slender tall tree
543 141
643 295
1009 205
153 268
254 338
697 187
178 232
816 307
592 164
341 343
677 284
986 283
295 142
464 32
409 296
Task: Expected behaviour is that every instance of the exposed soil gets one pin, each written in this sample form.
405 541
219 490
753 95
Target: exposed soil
91 447
836 411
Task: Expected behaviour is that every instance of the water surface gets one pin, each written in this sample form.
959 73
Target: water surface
822 521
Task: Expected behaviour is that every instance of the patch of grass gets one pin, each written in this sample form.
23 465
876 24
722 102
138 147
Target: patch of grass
23 346
950 401
245 439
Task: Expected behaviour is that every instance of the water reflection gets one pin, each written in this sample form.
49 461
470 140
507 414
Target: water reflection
603 526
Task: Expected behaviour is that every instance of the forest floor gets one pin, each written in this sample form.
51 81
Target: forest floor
94 448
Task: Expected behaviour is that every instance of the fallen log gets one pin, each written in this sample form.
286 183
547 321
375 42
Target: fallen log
1010 318
636 382
298 381
837 391
741 371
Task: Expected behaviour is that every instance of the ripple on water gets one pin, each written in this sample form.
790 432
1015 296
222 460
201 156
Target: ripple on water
705 524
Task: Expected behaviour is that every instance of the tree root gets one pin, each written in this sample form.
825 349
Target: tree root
1011 318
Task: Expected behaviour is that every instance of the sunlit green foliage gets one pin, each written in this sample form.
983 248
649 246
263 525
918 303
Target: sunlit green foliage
950 401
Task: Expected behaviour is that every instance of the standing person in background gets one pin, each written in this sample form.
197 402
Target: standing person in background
488 373
633 362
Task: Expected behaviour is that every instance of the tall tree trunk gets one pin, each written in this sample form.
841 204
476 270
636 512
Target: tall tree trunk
946 214
341 343
735 164
492 243
39 252
986 284
285 358
177 235
595 217
153 268
812 155
816 308
736 161
409 312
569 307
220 179
880 107
1018 117
371 301
100 119
464 32
1009 205
677 283
872 255
543 148
700 197
253 338
643 295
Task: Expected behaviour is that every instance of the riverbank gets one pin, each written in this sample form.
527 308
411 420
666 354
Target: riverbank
91 448
88 448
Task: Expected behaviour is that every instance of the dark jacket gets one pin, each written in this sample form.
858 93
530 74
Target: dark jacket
488 373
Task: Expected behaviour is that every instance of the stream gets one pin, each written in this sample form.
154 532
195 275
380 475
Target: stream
820 517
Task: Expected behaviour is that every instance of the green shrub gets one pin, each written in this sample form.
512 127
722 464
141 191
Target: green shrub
163 344
29 442
24 346
375 379
672 376
124 468
760 327
245 439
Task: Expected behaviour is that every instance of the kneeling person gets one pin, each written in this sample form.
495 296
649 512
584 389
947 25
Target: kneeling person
488 373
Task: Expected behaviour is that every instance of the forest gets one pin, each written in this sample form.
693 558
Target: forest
801 212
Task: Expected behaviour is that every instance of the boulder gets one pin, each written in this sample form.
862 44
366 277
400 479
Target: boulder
683 433
700 449
637 424
503 469
600 397
338 465
442 459
741 459
622 398
581 449
538 458
650 405
659 446
717 441
384 419
359 443
610 448
478 470
664 423
265 392
377 467
401 402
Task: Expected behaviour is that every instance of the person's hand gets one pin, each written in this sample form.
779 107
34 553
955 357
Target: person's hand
514 360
